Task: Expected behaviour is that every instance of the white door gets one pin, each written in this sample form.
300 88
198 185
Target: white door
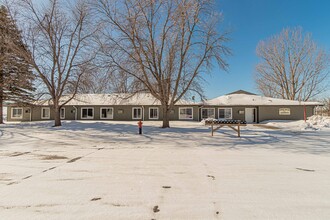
249 115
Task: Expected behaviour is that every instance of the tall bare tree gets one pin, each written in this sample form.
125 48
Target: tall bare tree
292 66
104 80
58 34
165 44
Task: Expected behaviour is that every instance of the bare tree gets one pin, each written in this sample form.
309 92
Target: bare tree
326 107
104 80
292 66
58 35
165 44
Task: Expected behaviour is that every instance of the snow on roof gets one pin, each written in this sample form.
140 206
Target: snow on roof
113 99
245 99
148 99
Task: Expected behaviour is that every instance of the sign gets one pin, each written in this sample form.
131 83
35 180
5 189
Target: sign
284 111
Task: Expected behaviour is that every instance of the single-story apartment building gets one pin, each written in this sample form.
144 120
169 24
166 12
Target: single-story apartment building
239 105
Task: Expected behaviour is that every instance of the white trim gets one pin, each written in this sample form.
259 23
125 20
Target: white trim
192 113
12 111
207 109
106 108
157 112
61 114
81 111
133 112
42 111
231 113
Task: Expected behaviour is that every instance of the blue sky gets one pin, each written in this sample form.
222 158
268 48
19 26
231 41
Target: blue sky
255 20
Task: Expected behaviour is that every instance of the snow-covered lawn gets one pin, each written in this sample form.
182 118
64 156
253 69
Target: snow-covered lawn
105 170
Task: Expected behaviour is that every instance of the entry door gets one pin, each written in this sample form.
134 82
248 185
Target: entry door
250 115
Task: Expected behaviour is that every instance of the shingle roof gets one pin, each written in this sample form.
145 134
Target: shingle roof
241 92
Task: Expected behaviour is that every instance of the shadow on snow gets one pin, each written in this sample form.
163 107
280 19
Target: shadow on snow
312 142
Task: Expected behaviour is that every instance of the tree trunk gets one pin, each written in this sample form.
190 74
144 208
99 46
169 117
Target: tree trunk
1 114
1 97
57 116
166 118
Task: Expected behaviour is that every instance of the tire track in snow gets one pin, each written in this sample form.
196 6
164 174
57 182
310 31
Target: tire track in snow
54 167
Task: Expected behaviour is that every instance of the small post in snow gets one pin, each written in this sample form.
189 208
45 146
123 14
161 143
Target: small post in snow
212 128
305 113
140 126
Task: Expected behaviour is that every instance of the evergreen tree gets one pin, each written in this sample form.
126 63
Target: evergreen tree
16 77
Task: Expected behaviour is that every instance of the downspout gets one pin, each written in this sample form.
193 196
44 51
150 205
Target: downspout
199 112
257 115
30 113
142 113
75 112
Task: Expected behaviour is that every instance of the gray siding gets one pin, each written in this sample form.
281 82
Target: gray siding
272 113
235 111
124 113
25 116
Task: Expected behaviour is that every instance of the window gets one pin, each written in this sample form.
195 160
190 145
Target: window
45 113
106 113
186 113
137 113
17 113
208 113
62 113
225 113
87 113
153 113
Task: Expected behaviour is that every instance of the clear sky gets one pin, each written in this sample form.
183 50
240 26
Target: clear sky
255 20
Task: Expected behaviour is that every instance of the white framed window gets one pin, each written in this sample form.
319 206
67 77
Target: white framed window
153 113
45 113
87 113
62 113
186 113
225 113
208 113
106 113
137 113
17 113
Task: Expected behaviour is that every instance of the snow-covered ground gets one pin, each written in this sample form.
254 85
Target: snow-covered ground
315 122
105 170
